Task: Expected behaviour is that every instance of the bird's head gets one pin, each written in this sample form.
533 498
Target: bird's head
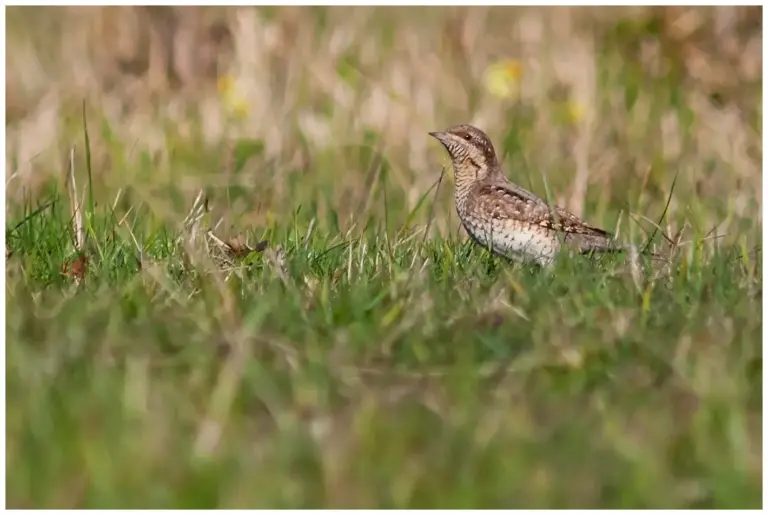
471 151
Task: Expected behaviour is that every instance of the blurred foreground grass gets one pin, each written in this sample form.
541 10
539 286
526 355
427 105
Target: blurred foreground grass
365 354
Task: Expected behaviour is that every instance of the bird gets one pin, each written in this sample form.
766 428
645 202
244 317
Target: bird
505 218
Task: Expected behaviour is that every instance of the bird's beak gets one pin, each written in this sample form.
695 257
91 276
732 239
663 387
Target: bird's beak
442 137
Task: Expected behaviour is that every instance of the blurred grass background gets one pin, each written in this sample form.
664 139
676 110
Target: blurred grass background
307 127
606 102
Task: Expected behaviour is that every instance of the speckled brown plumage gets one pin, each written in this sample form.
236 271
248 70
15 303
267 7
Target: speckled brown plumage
510 220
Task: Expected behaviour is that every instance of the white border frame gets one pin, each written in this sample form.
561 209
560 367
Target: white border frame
393 3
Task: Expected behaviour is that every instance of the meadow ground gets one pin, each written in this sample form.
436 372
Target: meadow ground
276 307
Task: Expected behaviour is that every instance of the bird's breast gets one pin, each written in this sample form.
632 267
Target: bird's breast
514 240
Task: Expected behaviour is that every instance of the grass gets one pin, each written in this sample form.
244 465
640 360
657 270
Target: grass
364 353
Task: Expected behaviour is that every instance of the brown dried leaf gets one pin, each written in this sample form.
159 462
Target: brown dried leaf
75 268
237 247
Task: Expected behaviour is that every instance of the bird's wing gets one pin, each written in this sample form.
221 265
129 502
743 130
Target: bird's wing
510 202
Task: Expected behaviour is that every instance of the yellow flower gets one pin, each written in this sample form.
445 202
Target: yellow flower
225 85
502 78
234 101
575 112
240 107
569 112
